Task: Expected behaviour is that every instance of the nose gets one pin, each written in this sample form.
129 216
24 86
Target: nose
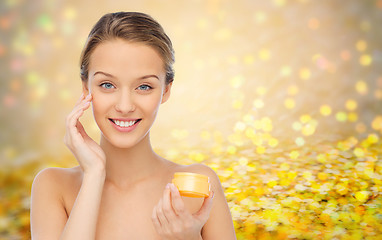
125 103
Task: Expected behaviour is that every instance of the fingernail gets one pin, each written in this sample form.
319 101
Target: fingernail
213 194
168 185
172 186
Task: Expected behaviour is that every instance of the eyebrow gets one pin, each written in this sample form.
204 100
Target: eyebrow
103 73
111 76
149 76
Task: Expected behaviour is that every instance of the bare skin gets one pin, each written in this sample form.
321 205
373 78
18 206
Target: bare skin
119 191
123 213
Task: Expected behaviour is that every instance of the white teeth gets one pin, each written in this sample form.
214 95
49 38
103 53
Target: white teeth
124 124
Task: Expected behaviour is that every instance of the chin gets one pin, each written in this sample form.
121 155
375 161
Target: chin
123 145
124 141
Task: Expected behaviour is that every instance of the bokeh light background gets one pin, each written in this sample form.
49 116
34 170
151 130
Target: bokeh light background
283 99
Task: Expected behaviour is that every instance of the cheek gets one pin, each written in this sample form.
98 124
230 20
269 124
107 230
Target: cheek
150 104
99 104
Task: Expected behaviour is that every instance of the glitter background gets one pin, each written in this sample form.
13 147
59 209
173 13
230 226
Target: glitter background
283 99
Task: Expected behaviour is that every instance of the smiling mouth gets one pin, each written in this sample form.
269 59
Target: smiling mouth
125 124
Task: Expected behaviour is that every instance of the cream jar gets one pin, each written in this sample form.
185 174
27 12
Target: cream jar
192 184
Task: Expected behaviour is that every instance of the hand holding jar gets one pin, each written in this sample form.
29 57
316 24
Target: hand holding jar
171 218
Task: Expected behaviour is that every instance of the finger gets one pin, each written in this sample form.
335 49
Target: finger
82 97
73 131
167 205
83 105
204 212
162 218
82 100
177 201
71 123
81 130
77 113
72 134
155 220
89 97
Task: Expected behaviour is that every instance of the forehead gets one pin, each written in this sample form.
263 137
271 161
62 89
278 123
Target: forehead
121 57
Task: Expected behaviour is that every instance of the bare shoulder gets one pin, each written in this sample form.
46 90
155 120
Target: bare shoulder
57 176
50 188
219 224
201 169
57 182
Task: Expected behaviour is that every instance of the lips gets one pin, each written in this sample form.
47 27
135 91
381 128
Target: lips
124 123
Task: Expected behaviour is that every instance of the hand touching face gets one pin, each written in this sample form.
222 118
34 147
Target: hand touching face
127 81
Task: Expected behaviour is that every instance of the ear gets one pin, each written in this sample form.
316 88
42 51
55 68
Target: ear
166 93
85 88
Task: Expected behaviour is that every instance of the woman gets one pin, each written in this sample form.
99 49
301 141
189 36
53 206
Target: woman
120 189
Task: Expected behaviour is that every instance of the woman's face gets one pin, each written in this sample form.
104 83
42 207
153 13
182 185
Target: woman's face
127 81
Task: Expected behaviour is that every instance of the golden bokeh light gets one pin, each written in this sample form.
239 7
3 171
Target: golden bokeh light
282 99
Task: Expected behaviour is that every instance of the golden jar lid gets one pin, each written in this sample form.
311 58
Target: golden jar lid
192 184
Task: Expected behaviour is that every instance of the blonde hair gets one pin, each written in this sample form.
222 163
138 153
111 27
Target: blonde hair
133 27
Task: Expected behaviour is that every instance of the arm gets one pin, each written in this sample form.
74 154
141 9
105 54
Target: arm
48 216
82 221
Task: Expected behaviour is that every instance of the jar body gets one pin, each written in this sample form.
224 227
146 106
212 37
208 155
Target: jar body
192 184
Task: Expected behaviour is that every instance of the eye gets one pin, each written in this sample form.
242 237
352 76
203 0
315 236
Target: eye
107 85
144 87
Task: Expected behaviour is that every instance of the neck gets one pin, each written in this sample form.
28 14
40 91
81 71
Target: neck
127 166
